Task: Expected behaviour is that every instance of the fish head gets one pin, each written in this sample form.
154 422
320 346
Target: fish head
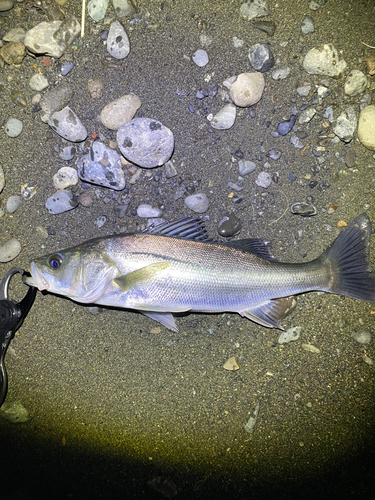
79 273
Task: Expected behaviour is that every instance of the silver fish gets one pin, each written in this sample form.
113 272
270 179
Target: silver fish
175 268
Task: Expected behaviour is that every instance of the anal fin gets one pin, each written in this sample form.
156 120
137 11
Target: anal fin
165 319
271 312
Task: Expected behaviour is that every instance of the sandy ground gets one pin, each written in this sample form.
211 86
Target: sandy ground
114 400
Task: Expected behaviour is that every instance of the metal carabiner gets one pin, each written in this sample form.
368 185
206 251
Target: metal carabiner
12 314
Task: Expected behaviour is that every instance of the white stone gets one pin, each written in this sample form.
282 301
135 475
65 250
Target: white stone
200 57
324 60
280 74
264 180
14 203
38 82
13 127
146 211
254 8
118 45
245 89
366 127
52 37
225 118
10 250
65 177
97 9
67 124
355 83
197 202
120 111
346 124
122 7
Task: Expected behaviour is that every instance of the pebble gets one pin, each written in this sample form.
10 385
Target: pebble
10 250
268 27
147 211
366 127
65 177
274 155
261 57
179 193
285 127
346 125
245 89
264 180
102 166
67 124
2 179
231 365
85 199
355 83
66 68
52 37
14 412
363 337
200 57
249 427
13 52
100 221
296 142
197 202
18 98
120 210
311 348
67 153
118 45
307 25
38 82
170 170
324 60
245 167
365 101
304 90
314 5
229 225
97 9
13 127
290 335
14 203
254 8
145 142
95 87
14 35
307 115
303 209
225 118
120 111
328 114
280 74
55 100
6 5
61 201
123 8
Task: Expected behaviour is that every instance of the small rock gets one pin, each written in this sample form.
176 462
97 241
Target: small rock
197 202
52 37
118 45
254 8
14 203
67 153
38 82
366 127
261 57
245 89
95 87
147 211
274 155
303 209
307 25
13 127
6 5
145 142
328 114
97 9
324 60
231 365
245 167
14 412
66 68
285 127
304 91
55 100
307 115
268 27
280 74
67 124
85 199
14 35
314 5
100 221
290 335
123 7
120 111
10 250
61 201
346 125
170 170
350 159
365 101
249 427
355 83
264 180
200 58
102 166
120 210
225 118
229 225
363 337
13 52
65 177
311 348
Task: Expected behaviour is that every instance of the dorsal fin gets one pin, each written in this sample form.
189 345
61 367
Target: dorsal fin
188 228
259 247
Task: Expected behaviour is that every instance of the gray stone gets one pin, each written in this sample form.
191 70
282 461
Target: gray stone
280 74
261 57
55 100
245 167
67 153
346 125
122 7
118 45
324 60
14 34
254 8
6 5
67 124
100 221
366 127
147 211
307 26
197 202
10 250
200 57
362 337
14 203
225 118
356 83
102 166
264 180
120 111
328 114
61 201
38 82
14 412
145 142
97 9
13 127
52 37
170 170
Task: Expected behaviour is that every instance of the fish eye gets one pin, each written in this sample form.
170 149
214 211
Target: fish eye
55 261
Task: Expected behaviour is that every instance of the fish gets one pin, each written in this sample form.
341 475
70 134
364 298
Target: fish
176 268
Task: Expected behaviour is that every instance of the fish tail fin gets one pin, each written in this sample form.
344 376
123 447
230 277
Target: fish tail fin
349 260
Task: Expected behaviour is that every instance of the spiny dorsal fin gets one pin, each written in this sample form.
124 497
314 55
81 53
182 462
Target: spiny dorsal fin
188 228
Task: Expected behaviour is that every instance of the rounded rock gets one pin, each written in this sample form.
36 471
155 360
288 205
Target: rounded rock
65 177
38 82
61 201
363 337
10 250
67 124
261 57
13 204
246 89
95 87
324 60
356 83
118 45
366 127
264 180
13 127
120 111
200 57
245 167
197 202
97 9
147 211
145 142
225 118
6 5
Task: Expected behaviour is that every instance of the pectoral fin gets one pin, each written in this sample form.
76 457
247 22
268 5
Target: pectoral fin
140 276
271 312
165 319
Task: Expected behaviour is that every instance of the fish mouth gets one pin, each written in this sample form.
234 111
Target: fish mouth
36 279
